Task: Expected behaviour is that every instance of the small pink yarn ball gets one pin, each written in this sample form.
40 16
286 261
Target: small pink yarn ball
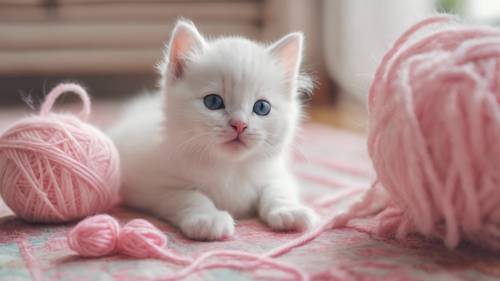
96 236
434 109
56 167
141 239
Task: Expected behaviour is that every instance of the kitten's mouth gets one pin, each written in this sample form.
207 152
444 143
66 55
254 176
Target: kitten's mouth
236 142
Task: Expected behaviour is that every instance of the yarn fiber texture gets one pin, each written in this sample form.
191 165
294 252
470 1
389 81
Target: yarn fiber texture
56 167
101 235
434 112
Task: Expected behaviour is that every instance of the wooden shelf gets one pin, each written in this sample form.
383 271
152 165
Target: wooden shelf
79 61
232 11
124 35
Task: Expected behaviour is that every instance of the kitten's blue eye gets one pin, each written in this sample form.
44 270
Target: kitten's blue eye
262 107
213 102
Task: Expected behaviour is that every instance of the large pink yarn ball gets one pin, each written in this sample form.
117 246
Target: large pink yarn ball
434 139
56 167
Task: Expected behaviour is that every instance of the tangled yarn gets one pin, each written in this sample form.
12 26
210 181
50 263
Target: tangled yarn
101 235
56 167
434 110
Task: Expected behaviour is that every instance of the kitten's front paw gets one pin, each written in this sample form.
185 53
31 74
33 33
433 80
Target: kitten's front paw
214 225
291 217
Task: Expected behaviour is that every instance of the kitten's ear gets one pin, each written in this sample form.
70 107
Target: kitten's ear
184 41
288 52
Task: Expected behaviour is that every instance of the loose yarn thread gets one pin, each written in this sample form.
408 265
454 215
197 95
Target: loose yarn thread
56 167
101 235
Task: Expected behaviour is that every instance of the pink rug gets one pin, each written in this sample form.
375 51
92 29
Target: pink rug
333 168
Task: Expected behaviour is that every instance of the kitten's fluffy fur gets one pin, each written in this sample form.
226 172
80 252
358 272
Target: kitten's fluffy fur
180 160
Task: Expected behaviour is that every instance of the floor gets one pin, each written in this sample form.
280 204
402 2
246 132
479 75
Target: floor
346 113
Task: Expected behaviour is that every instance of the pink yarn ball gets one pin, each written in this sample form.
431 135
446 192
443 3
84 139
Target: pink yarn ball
141 239
434 137
94 237
55 167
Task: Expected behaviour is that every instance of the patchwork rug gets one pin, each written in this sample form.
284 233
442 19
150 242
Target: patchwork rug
333 169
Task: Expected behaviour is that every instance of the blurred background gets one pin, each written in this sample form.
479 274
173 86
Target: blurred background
111 46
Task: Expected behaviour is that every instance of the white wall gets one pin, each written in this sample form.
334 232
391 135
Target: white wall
358 32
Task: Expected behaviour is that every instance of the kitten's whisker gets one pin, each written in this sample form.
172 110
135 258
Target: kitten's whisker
186 144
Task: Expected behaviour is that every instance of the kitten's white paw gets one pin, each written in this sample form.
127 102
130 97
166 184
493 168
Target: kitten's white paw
291 217
214 225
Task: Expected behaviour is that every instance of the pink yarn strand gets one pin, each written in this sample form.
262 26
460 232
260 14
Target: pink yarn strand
26 252
141 239
61 89
101 235
254 261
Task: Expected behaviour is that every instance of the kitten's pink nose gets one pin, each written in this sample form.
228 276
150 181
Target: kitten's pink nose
238 125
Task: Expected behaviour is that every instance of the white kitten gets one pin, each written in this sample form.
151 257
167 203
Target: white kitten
214 143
